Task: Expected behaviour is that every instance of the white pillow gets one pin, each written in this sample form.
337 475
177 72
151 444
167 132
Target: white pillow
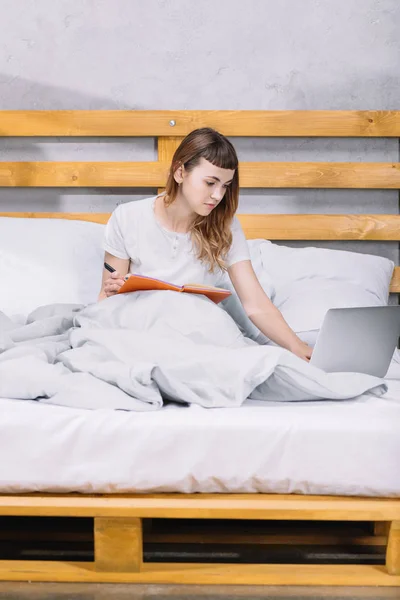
45 261
309 281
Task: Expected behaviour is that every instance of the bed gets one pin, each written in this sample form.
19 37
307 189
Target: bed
313 482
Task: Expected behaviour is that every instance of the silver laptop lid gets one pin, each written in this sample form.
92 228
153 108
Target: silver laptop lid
361 340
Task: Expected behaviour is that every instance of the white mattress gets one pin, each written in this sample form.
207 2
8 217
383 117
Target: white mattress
348 447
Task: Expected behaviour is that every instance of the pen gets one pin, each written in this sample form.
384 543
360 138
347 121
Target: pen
112 270
109 267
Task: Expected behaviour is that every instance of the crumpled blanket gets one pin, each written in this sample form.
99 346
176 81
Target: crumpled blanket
137 351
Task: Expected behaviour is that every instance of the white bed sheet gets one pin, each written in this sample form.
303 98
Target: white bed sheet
348 447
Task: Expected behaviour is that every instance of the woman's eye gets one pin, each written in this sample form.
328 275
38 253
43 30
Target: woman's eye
225 186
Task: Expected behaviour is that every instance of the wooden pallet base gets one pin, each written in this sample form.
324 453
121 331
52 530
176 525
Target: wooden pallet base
118 539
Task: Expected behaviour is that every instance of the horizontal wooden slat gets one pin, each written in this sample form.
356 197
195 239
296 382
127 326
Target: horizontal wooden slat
101 218
320 175
204 506
202 574
321 227
335 123
82 174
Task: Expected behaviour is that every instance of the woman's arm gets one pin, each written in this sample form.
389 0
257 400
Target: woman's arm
111 282
262 312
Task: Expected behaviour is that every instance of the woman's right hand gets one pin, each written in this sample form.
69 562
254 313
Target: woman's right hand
114 283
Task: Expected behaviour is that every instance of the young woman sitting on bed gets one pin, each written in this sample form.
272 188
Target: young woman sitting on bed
190 234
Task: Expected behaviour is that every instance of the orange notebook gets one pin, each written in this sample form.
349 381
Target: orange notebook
137 283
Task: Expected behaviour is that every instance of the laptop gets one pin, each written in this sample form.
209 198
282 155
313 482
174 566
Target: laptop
361 340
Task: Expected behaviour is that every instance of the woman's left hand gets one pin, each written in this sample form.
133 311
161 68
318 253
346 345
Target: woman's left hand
302 350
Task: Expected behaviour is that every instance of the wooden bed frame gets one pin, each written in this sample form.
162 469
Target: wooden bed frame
118 519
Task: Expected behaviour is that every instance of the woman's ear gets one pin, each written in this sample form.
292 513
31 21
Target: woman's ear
178 174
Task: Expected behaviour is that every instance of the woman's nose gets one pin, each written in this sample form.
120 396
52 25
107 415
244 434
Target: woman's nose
217 195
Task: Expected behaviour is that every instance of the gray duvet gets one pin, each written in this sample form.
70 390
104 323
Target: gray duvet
136 351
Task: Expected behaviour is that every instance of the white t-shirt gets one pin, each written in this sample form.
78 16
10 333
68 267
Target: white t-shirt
133 232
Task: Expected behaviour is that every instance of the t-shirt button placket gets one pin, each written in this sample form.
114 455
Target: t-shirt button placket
174 247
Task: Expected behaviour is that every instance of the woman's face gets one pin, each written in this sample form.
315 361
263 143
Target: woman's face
204 187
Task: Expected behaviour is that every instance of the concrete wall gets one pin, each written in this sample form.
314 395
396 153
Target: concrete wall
203 54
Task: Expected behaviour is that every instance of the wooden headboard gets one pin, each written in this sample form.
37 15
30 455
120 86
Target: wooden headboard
169 127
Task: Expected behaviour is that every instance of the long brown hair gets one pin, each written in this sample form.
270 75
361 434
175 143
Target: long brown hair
211 234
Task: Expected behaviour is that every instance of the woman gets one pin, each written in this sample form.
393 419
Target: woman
189 234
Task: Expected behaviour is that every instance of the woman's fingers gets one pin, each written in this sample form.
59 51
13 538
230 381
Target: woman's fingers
114 287
113 284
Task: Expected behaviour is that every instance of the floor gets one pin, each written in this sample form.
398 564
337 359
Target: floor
87 591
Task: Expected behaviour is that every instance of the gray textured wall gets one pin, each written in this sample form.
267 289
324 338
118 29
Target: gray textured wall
203 54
